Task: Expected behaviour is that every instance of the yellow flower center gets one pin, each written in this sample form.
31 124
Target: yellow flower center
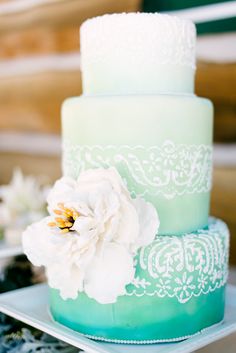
66 220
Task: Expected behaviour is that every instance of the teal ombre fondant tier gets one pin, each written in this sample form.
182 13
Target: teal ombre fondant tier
161 145
139 320
178 290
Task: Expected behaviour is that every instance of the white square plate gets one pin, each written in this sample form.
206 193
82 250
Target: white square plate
30 305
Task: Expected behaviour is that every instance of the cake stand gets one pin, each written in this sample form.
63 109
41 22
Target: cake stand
30 305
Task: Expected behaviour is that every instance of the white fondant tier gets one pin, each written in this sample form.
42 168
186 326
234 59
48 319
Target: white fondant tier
161 145
137 53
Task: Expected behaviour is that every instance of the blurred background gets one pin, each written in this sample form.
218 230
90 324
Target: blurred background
40 67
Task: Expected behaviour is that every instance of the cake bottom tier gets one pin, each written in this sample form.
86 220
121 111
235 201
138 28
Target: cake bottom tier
178 290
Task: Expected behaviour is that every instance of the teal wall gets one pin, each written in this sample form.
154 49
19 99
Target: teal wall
218 26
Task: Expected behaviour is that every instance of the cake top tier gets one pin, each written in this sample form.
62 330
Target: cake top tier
138 53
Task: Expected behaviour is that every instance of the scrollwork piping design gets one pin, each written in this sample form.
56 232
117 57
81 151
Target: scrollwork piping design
183 267
168 170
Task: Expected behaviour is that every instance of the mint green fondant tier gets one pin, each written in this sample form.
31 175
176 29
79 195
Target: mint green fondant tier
179 79
161 145
178 290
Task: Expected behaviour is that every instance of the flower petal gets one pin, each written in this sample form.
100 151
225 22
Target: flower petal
128 230
109 273
37 245
67 279
111 175
86 226
62 191
148 222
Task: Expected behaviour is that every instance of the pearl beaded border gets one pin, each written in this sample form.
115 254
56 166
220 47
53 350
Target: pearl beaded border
118 341
177 339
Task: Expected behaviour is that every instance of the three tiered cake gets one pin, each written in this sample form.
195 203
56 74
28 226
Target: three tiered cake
130 253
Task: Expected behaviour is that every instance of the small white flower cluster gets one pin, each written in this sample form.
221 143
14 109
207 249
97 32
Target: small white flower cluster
92 245
23 201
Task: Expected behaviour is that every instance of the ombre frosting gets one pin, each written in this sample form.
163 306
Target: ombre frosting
161 145
110 277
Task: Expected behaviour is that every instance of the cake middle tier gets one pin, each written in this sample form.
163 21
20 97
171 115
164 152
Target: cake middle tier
161 145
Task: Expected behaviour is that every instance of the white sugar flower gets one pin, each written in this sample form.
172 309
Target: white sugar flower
23 201
22 196
92 235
